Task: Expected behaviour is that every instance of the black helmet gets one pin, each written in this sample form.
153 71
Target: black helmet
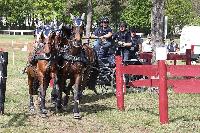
133 30
105 19
123 24
100 20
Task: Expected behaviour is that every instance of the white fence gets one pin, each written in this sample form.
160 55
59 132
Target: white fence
17 32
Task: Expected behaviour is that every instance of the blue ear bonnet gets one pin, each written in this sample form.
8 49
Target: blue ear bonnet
78 21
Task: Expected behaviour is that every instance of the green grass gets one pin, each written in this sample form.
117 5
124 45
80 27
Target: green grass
99 113
15 38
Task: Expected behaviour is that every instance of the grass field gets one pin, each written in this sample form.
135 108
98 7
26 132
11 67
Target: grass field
99 113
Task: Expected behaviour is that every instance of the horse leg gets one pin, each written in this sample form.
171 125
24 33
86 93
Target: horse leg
66 97
54 94
76 92
31 91
42 95
58 89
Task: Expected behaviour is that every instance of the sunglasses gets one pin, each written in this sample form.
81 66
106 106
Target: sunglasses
105 22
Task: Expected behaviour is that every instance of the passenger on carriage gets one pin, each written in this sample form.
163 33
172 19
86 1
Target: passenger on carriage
136 44
173 46
104 35
146 45
123 40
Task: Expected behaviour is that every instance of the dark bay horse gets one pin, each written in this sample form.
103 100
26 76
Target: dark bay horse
78 62
44 68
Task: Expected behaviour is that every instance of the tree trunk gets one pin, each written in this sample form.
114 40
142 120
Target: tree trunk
157 25
89 18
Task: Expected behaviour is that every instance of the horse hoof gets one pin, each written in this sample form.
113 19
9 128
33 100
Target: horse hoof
53 104
1 110
77 116
43 115
64 108
43 111
58 110
32 110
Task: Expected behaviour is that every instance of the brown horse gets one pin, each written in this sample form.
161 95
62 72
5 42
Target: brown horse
43 68
78 60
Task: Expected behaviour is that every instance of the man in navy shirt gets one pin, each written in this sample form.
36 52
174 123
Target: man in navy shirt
123 38
136 43
104 34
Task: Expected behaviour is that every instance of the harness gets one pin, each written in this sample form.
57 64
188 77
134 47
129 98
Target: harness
68 57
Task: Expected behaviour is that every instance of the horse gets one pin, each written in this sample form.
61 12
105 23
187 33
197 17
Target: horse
43 68
77 62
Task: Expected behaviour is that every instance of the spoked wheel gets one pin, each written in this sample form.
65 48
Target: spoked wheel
113 81
133 88
104 89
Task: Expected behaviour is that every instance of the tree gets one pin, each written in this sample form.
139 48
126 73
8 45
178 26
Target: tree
157 30
89 18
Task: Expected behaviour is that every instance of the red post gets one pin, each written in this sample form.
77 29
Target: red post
163 98
188 56
119 83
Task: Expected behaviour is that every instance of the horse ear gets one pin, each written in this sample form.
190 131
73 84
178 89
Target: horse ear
52 24
83 16
72 16
60 26
36 25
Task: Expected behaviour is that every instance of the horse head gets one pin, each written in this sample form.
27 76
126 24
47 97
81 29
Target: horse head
45 38
77 28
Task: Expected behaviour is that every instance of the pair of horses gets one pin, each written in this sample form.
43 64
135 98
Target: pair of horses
62 56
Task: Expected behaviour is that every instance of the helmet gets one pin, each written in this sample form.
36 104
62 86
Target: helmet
123 24
100 21
105 19
133 30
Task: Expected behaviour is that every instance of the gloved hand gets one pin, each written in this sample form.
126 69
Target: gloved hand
132 48
120 43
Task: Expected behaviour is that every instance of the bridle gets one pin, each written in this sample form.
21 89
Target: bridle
77 31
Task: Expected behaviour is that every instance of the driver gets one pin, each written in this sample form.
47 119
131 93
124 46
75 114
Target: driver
104 35
123 38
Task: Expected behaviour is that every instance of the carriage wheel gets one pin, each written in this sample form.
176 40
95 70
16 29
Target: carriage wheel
113 81
136 89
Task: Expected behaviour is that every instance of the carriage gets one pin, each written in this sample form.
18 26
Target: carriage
106 77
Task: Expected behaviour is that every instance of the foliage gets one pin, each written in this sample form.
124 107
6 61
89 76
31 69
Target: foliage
16 11
138 13
47 10
180 13
102 8
75 7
